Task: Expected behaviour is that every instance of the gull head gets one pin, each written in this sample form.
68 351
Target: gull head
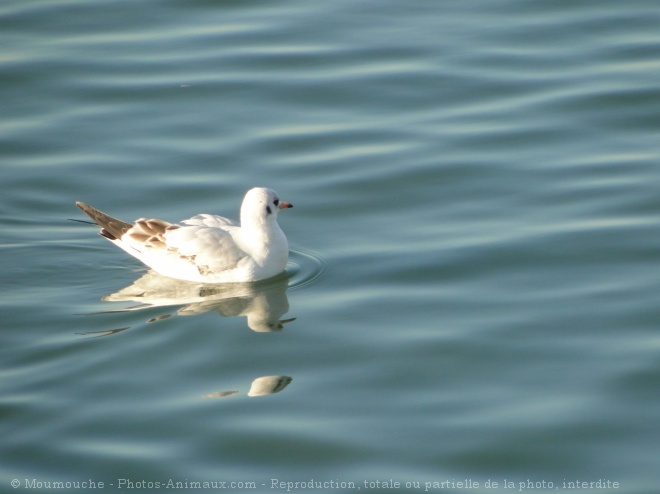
262 205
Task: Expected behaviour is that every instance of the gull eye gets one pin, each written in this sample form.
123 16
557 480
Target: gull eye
276 202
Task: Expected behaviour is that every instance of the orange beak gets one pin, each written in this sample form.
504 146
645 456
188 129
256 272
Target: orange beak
285 205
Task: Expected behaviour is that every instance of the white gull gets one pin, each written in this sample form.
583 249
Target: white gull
207 248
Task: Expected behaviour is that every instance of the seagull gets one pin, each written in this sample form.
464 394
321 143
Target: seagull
206 248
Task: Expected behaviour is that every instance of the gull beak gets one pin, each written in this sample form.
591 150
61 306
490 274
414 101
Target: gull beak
285 205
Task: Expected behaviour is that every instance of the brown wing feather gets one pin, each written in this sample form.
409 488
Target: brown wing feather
151 232
111 228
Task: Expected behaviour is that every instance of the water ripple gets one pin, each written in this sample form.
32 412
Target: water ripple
305 268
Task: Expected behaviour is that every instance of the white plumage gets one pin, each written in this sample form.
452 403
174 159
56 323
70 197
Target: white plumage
207 248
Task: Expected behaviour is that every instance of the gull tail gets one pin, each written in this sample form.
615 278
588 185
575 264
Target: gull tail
111 228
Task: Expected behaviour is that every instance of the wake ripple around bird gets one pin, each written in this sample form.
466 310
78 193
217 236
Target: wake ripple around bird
305 268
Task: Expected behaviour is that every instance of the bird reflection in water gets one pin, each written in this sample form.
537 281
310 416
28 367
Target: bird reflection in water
262 303
261 386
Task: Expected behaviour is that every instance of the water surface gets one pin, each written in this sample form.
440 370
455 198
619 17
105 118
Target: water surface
471 292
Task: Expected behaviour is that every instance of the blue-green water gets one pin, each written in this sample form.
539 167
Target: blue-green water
475 244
